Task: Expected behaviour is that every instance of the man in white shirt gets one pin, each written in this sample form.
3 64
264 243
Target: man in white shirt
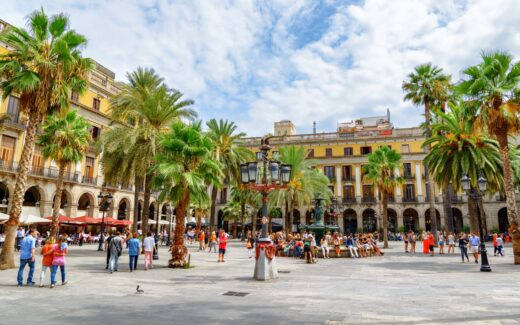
149 248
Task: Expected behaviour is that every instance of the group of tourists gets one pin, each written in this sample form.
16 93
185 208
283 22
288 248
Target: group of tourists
114 248
53 257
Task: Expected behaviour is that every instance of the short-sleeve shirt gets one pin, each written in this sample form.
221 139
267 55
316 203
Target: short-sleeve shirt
222 241
133 247
26 247
474 240
149 244
47 259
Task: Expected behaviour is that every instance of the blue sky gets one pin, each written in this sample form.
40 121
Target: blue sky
257 62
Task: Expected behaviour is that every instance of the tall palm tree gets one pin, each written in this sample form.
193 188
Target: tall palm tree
494 84
65 140
305 182
227 150
151 107
427 85
380 171
43 66
187 168
459 149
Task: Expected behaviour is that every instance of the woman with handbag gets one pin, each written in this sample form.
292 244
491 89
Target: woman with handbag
60 249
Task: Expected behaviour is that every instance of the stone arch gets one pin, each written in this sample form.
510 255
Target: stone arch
220 219
428 222
164 211
66 202
34 196
86 203
296 215
458 223
369 220
392 220
411 219
350 224
122 209
503 221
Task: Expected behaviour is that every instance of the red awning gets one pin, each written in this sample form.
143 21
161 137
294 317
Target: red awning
87 220
116 222
64 219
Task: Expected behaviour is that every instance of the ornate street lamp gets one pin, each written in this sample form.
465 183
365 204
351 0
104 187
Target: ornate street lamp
264 176
107 201
476 195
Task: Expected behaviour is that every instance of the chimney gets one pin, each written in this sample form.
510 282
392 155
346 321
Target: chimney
314 127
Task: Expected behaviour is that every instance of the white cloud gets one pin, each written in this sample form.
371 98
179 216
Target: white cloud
248 61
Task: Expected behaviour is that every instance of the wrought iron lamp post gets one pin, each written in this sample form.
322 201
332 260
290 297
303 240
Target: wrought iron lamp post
476 195
108 200
264 176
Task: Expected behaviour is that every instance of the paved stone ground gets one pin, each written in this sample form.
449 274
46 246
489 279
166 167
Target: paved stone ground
394 289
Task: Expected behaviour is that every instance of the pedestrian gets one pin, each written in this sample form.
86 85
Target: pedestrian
431 243
350 245
27 249
426 242
499 245
19 237
474 242
412 238
116 248
250 244
202 237
81 238
451 243
336 242
60 249
495 244
405 238
107 244
134 246
213 242
149 248
47 253
222 245
441 243
307 250
324 247
463 245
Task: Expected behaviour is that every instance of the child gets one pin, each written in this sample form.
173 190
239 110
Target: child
499 245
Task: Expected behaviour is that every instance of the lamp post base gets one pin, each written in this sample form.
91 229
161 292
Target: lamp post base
265 268
484 267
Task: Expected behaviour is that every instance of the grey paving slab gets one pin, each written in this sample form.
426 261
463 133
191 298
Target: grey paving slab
394 289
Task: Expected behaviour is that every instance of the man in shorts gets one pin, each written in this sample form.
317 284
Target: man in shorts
222 244
474 242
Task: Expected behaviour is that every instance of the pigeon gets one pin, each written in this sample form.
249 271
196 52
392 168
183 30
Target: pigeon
139 291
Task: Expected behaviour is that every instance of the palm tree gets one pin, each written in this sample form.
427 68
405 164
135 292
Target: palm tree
428 86
494 84
64 140
305 182
232 212
459 149
43 66
227 151
380 170
245 197
187 168
151 107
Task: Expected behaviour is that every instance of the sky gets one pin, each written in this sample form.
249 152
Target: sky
257 62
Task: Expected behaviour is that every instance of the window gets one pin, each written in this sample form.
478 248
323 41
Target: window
223 195
310 153
405 148
74 96
347 151
328 152
37 161
366 150
13 109
407 170
95 132
368 191
348 193
96 104
7 153
409 192
89 167
329 171
347 173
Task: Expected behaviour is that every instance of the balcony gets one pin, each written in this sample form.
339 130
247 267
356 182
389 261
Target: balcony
391 199
457 199
411 199
89 180
347 178
8 165
13 122
368 199
408 176
349 200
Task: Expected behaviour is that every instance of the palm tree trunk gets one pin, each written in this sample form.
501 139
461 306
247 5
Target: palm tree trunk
243 220
179 251
385 218
213 208
146 203
288 215
472 208
57 201
235 229
431 183
7 255
514 231
446 206
137 185
198 216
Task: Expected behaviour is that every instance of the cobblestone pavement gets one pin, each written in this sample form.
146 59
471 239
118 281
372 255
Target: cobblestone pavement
394 289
